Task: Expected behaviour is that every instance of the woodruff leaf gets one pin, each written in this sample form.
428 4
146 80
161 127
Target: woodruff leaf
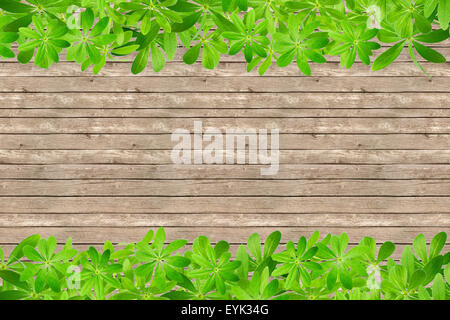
150 269
389 56
340 28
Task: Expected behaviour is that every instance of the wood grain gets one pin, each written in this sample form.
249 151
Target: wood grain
169 125
224 84
171 171
222 219
137 157
122 234
295 141
226 68
229 100
88 157
211 187
389 207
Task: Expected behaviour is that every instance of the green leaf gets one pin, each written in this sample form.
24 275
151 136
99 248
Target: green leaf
428 53
422 23
242 4
140 62
430 6
437 243
386 250
99 27
434 36
417 279
13 295
178 261
444 13
160 235
285 59
447 273
438 288
104 39
223 23
210 57
432 268
346 279
420 247
94 53
174 246
388 36
191 56
292 279
60 43
13 278
170 45
8 37
146 40
32 254
271 244
332 277
387 57
18 253
242 256
87 20
188 22
408 260
25 56
14 6
6 52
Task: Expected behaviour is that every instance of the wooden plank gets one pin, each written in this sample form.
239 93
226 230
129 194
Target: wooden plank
228 220
225 100
164 157
224 84
225 113
226 69
163 141
172 171
169 125
98 235
317 209
208 187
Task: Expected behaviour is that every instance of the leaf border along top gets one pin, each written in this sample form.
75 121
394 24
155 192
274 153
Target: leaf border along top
265 31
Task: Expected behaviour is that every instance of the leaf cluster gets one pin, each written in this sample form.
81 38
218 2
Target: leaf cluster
157 269
281 32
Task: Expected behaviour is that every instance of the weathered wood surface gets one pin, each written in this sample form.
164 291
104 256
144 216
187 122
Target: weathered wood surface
224 84
88 157
122 234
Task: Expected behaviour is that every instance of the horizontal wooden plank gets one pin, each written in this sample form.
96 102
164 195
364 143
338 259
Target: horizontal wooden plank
224 220
226 69
163 141
169 125
172 171
98 235
208 187
164 156
233 248
225 113
225 100
224 84
145 209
